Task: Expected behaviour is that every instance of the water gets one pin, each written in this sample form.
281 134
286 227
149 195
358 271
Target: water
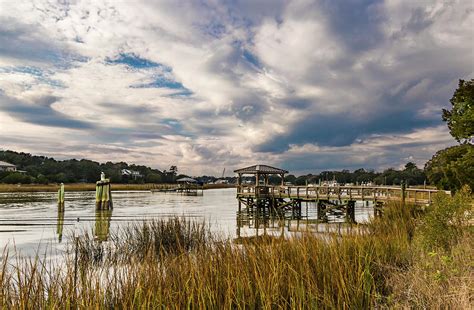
30 222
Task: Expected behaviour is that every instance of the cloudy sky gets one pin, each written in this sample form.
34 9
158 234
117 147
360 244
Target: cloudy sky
305 85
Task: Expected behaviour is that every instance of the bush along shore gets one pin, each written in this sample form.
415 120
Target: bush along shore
408 258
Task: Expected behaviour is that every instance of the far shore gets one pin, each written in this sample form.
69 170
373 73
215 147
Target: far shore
91 187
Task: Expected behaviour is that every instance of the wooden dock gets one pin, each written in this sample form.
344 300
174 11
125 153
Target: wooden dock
277 199
415 196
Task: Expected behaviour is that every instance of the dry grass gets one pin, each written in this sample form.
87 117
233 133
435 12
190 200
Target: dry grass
78 187
179 264
91 187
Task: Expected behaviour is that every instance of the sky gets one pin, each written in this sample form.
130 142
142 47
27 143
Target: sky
207 85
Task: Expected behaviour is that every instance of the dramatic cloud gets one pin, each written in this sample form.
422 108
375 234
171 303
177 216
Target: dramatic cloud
308 85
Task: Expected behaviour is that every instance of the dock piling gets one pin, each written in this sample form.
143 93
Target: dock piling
103 194
61 198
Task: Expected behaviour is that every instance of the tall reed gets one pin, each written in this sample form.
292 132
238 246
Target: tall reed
178 263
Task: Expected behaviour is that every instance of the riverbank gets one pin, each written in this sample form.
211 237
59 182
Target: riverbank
80 187
407 258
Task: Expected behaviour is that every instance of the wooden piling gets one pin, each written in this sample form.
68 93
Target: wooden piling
403 188
60 225
350 211
103 195
61 198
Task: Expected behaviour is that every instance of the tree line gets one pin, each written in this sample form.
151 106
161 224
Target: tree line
411 175
44 170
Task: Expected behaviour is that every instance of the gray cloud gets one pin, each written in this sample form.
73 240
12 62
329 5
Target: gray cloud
29 43
40 112
357 24
199 82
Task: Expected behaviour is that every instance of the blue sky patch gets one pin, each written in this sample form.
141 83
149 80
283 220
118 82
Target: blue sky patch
136 62
183 93
161 81
41 76
251 58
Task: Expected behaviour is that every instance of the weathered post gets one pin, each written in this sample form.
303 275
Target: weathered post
103 194
378 209
60 225
403 187
61 198
350 211
322 217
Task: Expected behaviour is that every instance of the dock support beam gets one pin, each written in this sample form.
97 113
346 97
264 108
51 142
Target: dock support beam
322 217
350 211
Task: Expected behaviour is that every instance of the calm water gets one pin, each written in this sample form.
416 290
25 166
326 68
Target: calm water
30 221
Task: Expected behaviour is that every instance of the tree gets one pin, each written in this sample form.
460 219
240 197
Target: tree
16 177
460 118
174 170
153 178
410 166
451 168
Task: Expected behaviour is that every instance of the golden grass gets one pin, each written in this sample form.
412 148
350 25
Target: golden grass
91 187
179 264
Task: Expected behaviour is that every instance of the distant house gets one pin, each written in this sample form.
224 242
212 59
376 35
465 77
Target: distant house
221 181
4 166
131 173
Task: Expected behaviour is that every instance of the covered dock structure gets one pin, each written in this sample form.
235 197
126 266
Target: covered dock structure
262 196
189 186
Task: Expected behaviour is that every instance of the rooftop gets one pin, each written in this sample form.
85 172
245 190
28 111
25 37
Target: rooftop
5 164
262 169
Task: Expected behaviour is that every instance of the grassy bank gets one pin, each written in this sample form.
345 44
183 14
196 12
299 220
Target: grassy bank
407 258
91 187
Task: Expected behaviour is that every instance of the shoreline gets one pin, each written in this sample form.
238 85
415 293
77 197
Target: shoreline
84 187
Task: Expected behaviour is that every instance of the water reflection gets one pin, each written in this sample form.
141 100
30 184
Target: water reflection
253 222
102 224
30 220
268 222
60 225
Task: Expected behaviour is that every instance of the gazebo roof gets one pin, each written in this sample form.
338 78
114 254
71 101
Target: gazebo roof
261 169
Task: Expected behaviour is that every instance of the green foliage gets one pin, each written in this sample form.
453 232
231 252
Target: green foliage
41 179
16 177
460 118
412 175
43 170
154 178
446 220
452 167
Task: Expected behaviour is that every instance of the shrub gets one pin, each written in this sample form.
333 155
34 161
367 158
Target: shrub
446 220
16 177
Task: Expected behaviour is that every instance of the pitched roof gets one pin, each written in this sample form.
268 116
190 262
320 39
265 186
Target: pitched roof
5 164
263 169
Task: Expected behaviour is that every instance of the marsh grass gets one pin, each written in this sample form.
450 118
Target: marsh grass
178 263
80 187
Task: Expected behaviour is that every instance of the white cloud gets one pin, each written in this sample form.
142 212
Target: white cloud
252 73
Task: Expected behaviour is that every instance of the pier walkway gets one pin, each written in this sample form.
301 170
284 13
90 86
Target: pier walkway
415 196
263 197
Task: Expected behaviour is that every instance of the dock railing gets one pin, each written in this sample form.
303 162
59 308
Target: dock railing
316 192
